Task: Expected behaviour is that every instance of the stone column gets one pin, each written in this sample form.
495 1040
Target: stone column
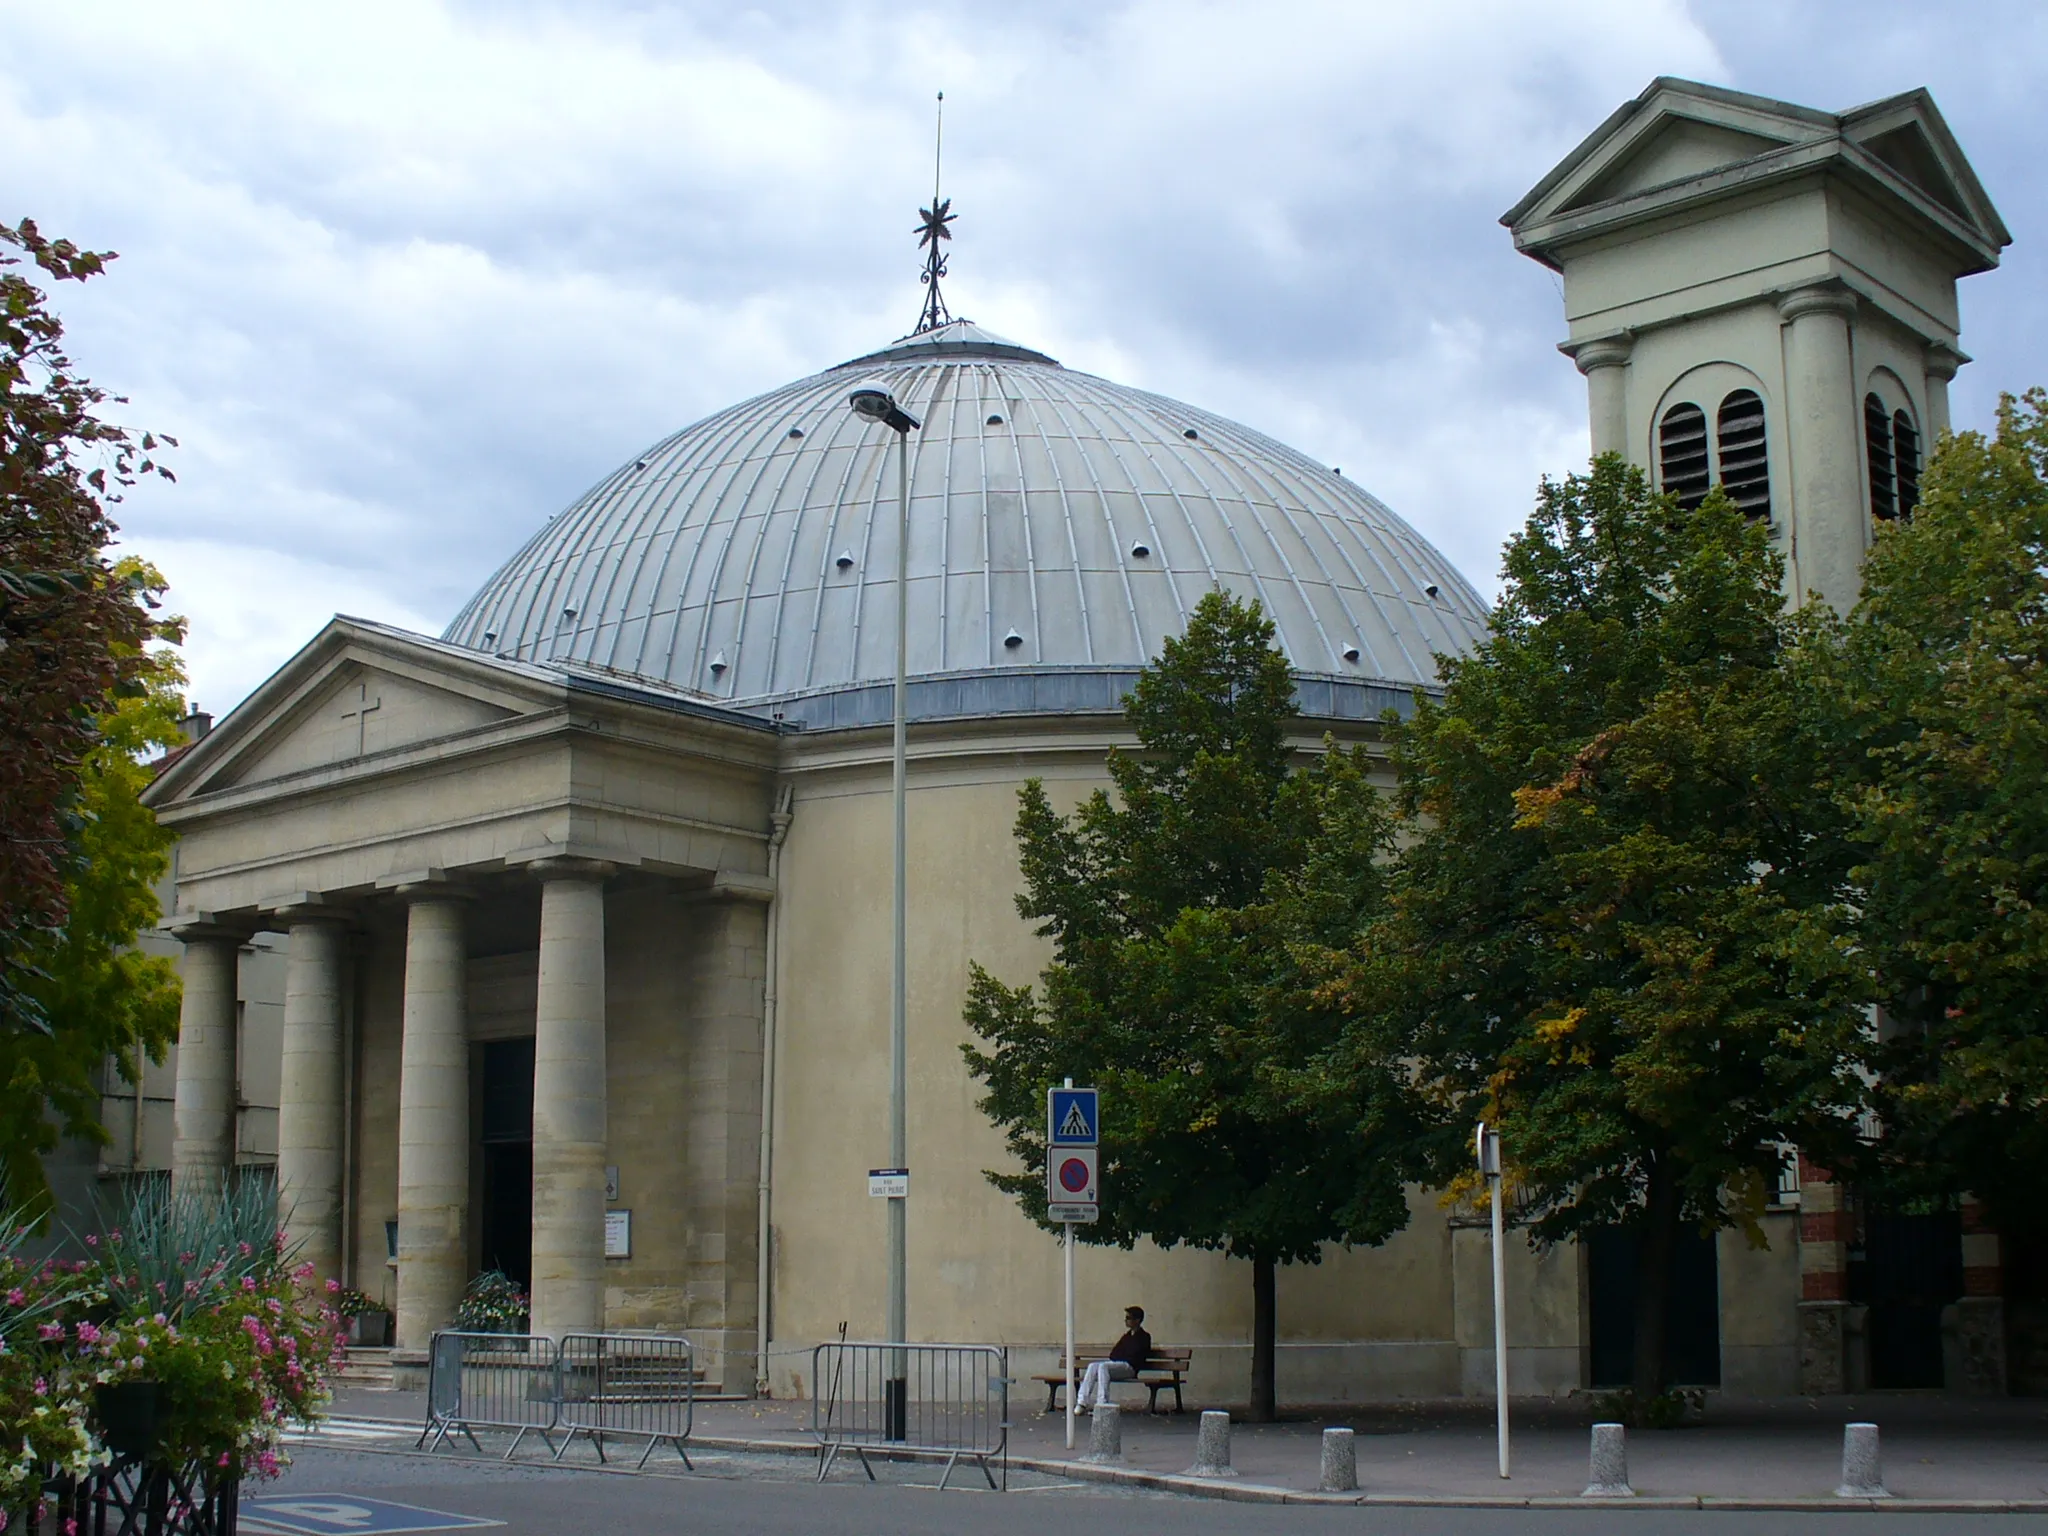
309 1129
1830 517
1831 1355
203 1121
1942 362
433 1116
1605 364
1973 1328
569 1129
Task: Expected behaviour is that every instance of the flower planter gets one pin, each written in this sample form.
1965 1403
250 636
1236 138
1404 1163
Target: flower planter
370 1330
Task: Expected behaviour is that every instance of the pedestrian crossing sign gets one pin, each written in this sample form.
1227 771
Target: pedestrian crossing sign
1072 1118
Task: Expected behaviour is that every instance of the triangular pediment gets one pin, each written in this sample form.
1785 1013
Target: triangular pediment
357 694
1681 142
1674 148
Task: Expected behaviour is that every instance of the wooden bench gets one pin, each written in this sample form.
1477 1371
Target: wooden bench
1164 1369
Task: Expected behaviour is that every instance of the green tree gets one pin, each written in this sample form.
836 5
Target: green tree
72 626
1943 715
96 994
1185 913
1610 935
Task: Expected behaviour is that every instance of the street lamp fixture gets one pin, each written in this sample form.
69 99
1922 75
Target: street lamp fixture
874 402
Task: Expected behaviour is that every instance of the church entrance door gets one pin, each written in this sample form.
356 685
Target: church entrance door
506 1218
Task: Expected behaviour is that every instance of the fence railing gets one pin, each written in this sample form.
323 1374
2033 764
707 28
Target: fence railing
627 1384
950 1400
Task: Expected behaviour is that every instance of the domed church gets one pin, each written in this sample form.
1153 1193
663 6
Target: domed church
586 903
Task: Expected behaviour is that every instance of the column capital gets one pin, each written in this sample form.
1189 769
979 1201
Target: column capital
1600 351
1831 296
426 885
1944 360
189 925
573 861
305 907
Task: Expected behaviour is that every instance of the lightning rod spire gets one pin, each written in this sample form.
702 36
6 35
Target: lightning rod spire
931 232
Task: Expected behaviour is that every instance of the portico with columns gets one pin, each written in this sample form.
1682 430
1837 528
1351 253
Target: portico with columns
452 846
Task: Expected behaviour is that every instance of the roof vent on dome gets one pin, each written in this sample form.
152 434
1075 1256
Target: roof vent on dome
1351 653
796 432
719 664
994 420
639 463
568 613
1012 640
1190 434
845 560
1432 590
1140 550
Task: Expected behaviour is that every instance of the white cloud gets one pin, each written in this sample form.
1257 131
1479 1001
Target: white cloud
405 277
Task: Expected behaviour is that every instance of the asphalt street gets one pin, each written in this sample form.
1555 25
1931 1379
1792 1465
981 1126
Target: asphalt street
734 1494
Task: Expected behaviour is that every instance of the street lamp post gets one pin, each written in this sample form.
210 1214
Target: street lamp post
873 402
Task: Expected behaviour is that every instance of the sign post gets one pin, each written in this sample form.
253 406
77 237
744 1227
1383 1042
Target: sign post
1487 1144
1072 1126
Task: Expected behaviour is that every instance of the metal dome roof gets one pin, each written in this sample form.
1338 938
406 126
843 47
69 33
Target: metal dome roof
1059 522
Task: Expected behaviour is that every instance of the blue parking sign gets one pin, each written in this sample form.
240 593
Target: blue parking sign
330 1514
1072 1117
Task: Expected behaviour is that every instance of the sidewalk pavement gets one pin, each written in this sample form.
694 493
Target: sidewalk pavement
1935 1446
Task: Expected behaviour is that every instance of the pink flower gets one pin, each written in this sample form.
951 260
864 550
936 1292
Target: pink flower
51 1330
17 1297
249 1284
333 1286
91 1241
87 1334
246 1249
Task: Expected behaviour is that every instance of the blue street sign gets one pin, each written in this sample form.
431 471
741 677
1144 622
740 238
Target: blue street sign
333 1514
1072 1117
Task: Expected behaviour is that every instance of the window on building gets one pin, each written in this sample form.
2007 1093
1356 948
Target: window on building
1745 456
1877 444
1682 454
1906 462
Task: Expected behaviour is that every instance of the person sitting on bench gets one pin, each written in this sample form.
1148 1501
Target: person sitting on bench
1124 1362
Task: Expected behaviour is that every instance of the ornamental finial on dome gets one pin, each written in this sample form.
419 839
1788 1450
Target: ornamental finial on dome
930 233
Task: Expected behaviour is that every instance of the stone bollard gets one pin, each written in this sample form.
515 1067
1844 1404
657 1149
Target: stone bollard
1340 1461
1610 1464
1862 1472
1212 1447
1106 1436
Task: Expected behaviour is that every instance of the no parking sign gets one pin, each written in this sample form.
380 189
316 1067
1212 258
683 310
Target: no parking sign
1072 1125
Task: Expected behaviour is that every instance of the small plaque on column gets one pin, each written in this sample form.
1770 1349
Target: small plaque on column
618 1234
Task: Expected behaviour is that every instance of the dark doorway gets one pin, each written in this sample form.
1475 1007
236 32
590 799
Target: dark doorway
1613 1262
506 1226
1908 1266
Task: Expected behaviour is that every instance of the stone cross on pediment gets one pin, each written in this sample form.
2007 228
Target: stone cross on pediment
359 711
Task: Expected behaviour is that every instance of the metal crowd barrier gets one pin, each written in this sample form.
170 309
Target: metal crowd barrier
614 1384
492 1381
950 1400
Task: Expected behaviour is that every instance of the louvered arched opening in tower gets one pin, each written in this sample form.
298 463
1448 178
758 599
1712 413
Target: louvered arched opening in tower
1682 453
1877 445
1906 462
1745 452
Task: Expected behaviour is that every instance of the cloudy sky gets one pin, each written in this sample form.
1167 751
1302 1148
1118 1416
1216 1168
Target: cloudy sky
405 277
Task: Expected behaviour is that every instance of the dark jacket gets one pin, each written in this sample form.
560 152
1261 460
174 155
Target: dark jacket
1134 1349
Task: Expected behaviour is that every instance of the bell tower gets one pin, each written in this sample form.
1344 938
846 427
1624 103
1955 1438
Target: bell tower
1763 296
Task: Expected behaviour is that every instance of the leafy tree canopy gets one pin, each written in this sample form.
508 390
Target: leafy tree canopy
73 627
1184 911
95 993
1610 935
1942 679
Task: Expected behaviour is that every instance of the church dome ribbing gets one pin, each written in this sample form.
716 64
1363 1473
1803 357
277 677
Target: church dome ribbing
1059 522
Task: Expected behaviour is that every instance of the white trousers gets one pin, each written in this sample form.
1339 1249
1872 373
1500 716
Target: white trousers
1095 1381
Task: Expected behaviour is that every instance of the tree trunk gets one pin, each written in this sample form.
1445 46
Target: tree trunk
1263 1329
1653 1283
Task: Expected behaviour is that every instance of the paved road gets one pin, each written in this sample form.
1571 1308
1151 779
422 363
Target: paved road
732 1495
